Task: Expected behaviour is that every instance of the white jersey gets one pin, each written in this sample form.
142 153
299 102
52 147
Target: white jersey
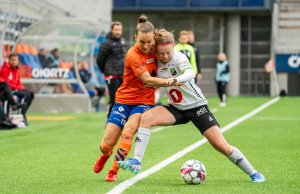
183 97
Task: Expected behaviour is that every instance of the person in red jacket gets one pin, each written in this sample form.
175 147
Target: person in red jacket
11 74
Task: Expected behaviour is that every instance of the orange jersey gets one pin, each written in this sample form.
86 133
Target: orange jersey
133 91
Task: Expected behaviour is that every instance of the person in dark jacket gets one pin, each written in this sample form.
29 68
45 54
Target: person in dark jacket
53 59
42 58
111 61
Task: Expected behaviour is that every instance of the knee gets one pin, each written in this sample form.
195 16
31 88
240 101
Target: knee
129 131
108 142
147 120
107 146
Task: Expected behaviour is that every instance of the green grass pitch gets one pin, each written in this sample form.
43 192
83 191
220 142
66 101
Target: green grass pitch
58 156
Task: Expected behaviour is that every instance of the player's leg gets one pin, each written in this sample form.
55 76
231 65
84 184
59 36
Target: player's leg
209 127
125 143
109 140
223 94
7 94
114 127
219 90
217 140
158 116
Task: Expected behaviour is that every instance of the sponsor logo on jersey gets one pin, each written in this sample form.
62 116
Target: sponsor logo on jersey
184 64
201 111
150 60
173 71
140 66
121 108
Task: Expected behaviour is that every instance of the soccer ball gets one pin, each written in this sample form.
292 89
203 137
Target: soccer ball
193 172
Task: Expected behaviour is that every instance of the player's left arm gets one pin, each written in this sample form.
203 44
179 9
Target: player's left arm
188 75
187 71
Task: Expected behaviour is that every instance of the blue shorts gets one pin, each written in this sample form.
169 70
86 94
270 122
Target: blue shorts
121 112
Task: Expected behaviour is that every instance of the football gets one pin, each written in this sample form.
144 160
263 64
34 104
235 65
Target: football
193 172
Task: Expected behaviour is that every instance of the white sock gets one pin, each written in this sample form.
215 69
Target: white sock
238 158
141 142
224 98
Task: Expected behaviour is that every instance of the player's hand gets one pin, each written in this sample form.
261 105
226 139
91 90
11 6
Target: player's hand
171 81
199 76
178 84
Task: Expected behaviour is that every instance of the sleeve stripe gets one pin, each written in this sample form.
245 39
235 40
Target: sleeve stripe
185 68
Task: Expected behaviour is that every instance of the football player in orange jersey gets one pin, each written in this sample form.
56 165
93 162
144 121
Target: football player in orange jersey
132 98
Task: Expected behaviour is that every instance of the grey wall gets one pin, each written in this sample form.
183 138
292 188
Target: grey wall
47 9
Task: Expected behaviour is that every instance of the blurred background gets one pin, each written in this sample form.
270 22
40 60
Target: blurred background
260 37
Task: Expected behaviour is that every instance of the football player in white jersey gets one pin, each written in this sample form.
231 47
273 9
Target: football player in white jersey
185 103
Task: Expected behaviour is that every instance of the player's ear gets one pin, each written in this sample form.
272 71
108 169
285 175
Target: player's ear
134 37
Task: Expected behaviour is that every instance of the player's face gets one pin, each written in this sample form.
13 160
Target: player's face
117 31
165 52
145 41
191 38
183 39
14 61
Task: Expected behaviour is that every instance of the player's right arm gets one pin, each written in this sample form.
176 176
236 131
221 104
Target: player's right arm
155 81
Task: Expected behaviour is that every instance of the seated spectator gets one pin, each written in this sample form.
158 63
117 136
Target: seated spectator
94 92
53 59
11 74
6 95
5 122
42 58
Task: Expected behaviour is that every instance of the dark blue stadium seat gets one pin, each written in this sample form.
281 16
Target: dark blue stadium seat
252 3
24 59
32 62
214 3
165 3
124 3
158 4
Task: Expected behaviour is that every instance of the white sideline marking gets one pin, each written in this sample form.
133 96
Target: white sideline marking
277 118
124 185
160 129
163 128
